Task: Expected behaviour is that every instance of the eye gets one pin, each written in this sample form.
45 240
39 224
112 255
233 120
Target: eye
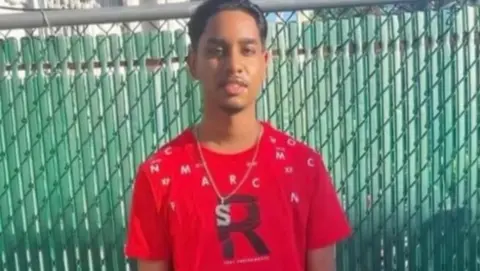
248 51
215 51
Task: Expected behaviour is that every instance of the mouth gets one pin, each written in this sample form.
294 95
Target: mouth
234 87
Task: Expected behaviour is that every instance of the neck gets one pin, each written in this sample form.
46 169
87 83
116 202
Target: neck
226 133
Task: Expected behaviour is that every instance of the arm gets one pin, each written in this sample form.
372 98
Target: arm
147 233
321 259
143 265
327 222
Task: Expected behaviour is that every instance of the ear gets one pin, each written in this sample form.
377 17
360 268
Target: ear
266 58
191 62
266 55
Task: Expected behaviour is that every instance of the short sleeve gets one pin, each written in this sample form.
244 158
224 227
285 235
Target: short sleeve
327 222
147 232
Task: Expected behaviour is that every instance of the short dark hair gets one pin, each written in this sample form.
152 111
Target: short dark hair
208 8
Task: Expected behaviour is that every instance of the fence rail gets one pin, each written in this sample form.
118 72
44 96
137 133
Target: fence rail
391 98
51 17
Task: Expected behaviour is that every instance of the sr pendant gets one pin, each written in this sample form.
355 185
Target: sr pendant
222 213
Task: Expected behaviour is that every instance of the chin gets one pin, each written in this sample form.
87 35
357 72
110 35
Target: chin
233 108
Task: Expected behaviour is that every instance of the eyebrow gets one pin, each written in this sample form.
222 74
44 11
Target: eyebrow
243 41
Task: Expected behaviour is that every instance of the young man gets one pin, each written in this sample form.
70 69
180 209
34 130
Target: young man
233 193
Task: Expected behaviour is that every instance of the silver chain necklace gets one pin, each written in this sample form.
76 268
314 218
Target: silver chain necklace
247 173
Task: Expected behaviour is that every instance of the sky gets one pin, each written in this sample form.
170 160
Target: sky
285 15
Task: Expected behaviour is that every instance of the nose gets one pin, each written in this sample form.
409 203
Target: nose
233 63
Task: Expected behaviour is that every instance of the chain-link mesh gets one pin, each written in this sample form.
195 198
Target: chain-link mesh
389 95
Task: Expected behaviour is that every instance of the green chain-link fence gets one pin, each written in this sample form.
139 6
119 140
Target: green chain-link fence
390 97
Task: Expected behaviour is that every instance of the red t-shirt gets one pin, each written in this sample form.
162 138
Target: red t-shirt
287 206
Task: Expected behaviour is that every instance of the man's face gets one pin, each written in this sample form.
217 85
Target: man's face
230 61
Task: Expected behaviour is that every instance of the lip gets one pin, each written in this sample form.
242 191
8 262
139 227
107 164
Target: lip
234 86
234 89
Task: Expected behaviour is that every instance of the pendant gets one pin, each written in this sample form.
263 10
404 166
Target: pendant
223 216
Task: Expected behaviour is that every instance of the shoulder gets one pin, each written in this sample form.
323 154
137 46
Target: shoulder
299 151
303 162
168 156
154 175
